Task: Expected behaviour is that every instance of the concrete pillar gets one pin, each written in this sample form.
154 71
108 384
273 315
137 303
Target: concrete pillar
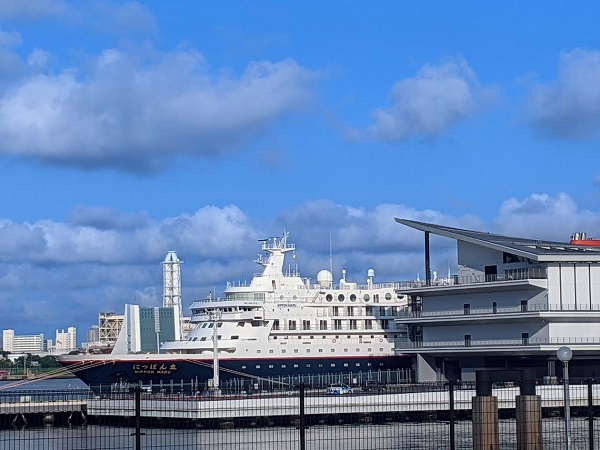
485 423
529 422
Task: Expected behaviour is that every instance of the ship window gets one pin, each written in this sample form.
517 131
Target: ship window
210 325
241 324
381 364
195 338
369 349
271 351
308 350
308 365
380 349
218 337
357 364
295 365
333 350
332 365
204 325
294 297
329 297
353 297
258 366
203 338
258 351
295 350
292 325
369 364
358 350
345 364
270 366
220 324
276 324
367 297
243 367
320 350
235 337
388 296
283 350
345 350
283 366
341 297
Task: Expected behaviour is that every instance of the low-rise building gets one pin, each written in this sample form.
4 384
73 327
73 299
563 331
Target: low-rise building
513 302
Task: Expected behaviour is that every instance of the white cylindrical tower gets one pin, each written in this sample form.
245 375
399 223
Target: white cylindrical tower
172 290
171 280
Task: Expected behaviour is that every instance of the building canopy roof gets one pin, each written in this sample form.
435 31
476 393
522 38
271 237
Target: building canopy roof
534 249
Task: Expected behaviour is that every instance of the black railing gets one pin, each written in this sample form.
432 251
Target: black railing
393 416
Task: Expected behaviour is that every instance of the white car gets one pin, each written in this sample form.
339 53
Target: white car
339 388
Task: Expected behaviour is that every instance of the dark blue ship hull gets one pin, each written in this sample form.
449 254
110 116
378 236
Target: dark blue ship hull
155 370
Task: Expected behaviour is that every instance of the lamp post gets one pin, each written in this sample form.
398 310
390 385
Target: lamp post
565 354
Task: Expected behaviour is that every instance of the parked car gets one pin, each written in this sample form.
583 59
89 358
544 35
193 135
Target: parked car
338 388
372 385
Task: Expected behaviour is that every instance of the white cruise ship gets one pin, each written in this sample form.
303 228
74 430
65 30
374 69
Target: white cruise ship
279 324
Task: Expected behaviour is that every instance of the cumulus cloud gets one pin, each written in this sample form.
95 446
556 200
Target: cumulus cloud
102 258
428 104
543 216
135 114
569 108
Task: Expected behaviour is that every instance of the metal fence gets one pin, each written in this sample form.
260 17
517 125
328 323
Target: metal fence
378 415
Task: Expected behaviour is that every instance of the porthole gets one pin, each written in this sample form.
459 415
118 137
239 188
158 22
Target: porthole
294 297
329 297
341 297
388 296
352 297
281 297
367 297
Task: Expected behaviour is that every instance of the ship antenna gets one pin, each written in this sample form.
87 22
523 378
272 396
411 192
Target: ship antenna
330 256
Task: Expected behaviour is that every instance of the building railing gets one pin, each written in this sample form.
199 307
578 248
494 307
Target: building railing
487 343
530 273
491 310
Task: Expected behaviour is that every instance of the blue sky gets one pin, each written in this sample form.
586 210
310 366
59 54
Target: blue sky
128 129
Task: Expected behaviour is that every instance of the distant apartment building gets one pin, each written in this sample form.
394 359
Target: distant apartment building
22 344
65 341
93 334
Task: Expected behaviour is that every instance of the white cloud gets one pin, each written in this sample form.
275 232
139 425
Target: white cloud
136 113
569 108
428 104
76 270
544 216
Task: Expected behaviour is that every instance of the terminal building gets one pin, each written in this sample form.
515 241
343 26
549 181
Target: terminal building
512 304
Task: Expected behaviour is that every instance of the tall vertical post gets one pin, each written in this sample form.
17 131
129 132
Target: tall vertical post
565 354
302 419
427 261
138 415
590 415
451 413
216 315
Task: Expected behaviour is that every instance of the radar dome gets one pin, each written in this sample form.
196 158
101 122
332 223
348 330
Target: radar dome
325 279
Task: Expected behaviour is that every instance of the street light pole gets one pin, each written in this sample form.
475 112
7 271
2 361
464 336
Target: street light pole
565 354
